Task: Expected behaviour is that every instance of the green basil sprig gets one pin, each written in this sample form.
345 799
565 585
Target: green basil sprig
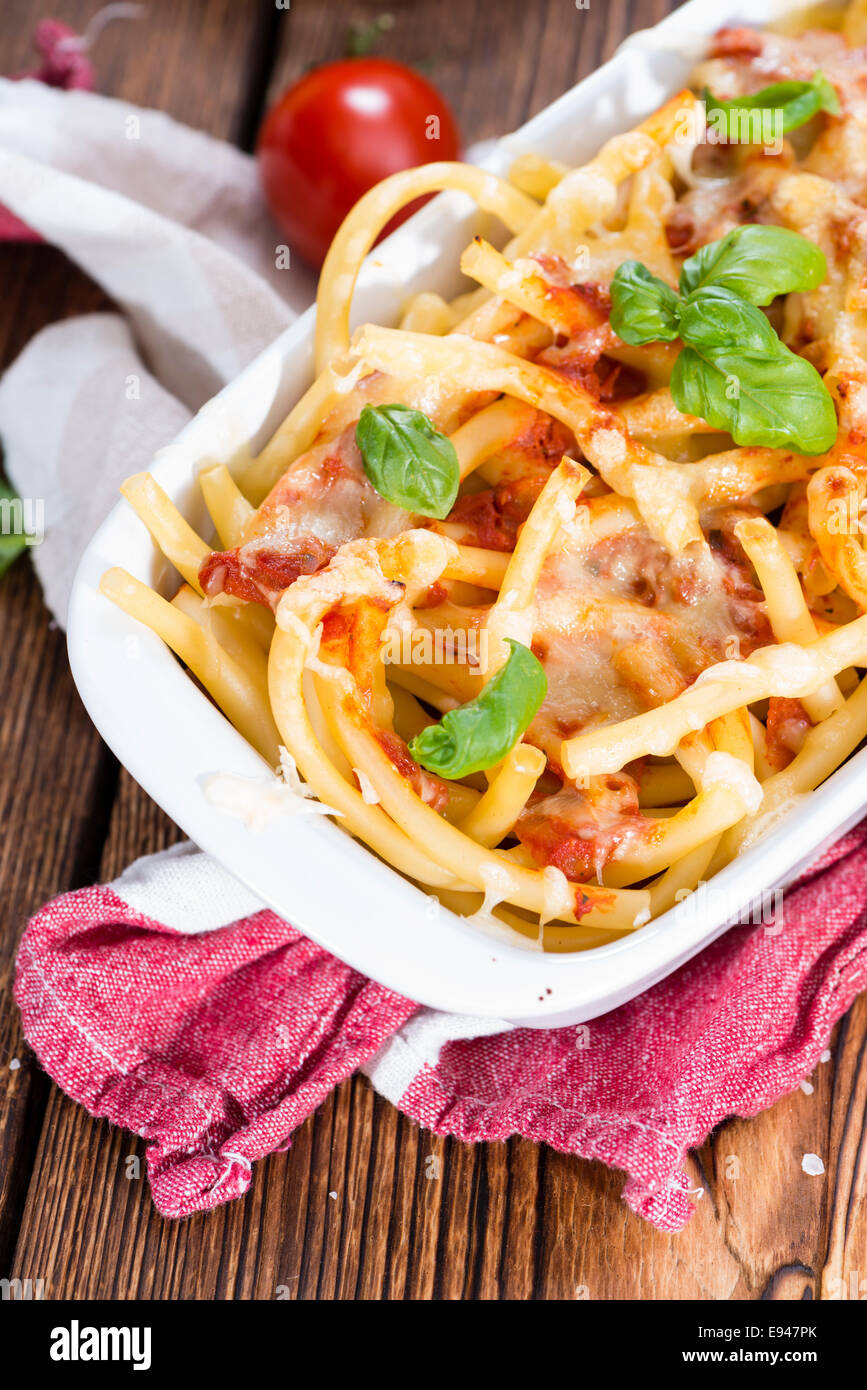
11 542
477 735
734 372
758 263
644 309
407 460
797 101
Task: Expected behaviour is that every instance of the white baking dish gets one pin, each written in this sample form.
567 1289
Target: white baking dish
170 737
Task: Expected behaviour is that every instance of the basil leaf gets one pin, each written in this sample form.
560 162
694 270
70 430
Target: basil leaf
477 735
758 263
407 460
716 317
828 99
644 309
12 542
736 374
798 102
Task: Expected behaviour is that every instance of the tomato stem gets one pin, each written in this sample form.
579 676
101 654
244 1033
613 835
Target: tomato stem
361 38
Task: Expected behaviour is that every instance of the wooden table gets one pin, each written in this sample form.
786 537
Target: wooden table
502 1220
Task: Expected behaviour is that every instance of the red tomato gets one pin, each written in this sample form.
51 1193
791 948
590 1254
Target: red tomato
336 133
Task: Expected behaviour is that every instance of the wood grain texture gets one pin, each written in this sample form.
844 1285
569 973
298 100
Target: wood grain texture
55 775
191 58
497 64
57 781
363 1205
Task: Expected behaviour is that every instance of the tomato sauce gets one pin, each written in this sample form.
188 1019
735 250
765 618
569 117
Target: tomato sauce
786 728
432 790
578 831
260 576
492 517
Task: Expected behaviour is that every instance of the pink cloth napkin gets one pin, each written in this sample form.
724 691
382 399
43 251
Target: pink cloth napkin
215 1045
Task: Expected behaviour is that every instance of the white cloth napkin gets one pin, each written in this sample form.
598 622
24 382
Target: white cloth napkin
172 225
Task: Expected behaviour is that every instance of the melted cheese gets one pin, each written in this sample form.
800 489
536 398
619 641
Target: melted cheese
593 603
723 770
326 495
496 881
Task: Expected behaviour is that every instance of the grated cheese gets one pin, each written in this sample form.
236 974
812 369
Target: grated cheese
369 794
258 801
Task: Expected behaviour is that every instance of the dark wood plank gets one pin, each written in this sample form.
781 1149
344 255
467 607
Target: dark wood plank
58 762
55 775
506 1221
56 778
495 1221
190 58
495 64
844 1272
